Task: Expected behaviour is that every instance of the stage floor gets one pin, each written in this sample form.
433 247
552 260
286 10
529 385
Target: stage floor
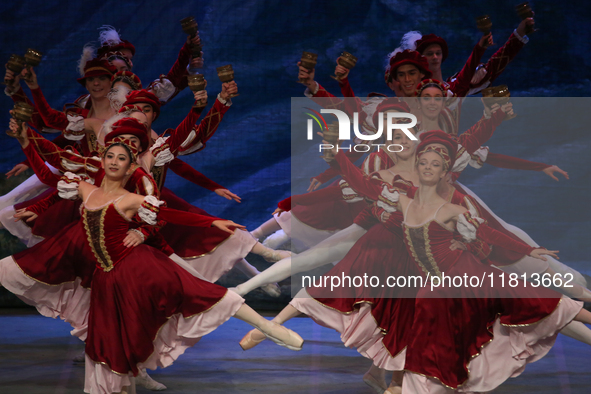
36 357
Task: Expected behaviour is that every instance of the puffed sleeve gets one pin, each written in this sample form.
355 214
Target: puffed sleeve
75 129
68 185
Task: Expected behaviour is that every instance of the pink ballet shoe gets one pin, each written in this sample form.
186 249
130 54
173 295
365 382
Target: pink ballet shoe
393 390
273 256
144 380
272 289
79 359
291 339
248 342
375 384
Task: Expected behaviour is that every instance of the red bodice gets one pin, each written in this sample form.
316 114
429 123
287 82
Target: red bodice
106 246
428 245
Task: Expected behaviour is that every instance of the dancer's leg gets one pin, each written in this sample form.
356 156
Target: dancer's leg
276 240
584 316
279 334
330 250
578 331
270 254
266 229
573 290
247 269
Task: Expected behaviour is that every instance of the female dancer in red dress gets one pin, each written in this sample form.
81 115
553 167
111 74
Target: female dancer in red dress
166 308
517 325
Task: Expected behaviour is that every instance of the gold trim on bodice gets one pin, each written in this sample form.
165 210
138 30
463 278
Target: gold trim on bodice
94 224
420 247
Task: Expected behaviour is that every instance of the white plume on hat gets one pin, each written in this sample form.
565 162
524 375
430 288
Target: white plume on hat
87 54
109 36
408 41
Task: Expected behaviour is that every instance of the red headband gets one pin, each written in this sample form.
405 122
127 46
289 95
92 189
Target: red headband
430 83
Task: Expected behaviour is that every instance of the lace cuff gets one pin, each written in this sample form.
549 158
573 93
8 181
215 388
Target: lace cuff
163 89
68 186
161 152
149 209
138 232
227 102
349 195
75 129
309 93
388 199
468 226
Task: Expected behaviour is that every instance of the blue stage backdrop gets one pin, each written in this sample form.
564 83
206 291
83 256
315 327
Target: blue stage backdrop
263 40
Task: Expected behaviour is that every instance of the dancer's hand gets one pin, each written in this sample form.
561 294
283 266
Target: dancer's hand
30 77
197 62
225 225
541 252
385 216
17 170
550 172
23 214
486 40
18 131
133 239
525 25
277 211
228 195
194 40
307 76
455 244
314 184
200 95
478 75
12 79
507 108
343 72
228 88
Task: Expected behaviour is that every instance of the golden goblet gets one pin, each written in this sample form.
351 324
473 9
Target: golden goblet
330 135
22 113
189 26
226 74
346 60
525 11
16 64
197 83
308 61
498 95
33 59
484 24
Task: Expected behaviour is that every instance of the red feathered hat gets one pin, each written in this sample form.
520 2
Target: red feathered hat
409 57
128 126
430 39
439 137
129 78
389 105
95 68
124 44
141 96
